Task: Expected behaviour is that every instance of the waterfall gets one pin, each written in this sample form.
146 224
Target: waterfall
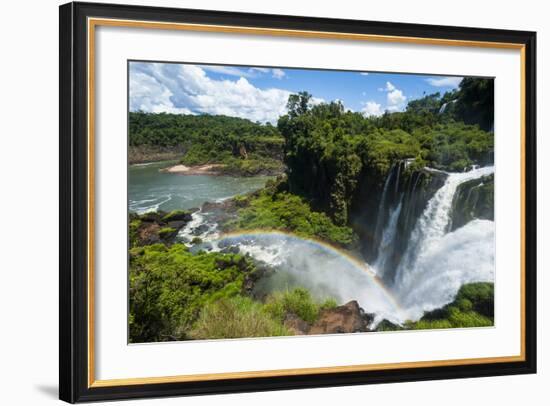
381 210
385 249
431 247
444 106
397 178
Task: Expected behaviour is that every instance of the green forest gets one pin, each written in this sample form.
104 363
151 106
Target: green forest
328 163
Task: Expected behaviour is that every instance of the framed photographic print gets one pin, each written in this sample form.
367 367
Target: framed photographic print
256 202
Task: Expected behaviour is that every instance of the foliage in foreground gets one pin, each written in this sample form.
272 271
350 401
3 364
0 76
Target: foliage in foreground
169 286
298 302
473 306
240 316
236 317
274 209
178 295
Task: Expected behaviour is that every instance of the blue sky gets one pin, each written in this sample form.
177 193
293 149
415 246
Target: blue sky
260 94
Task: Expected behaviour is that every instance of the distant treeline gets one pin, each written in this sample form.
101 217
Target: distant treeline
244 147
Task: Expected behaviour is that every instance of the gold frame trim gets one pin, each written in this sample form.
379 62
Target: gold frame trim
94 22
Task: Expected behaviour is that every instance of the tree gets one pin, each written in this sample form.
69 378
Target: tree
298 104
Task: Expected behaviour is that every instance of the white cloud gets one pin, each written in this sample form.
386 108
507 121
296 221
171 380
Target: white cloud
449 81
364 73
146 94
278 73
395 98
372 108
314 101
156 87
395 101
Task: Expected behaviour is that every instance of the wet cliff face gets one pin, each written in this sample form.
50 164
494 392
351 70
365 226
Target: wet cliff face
473 200
385 210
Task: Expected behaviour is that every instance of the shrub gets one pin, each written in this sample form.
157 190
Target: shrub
297 301
236 317
169 286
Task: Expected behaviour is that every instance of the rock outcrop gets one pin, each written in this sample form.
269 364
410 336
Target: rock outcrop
157 227
474 199
349 318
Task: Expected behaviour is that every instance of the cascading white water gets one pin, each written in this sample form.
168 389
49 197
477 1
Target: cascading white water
437 263
388 236
463 256
380 213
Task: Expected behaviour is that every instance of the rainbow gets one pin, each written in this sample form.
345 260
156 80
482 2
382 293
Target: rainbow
323 245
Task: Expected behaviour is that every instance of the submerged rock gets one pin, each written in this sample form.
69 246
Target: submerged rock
349 318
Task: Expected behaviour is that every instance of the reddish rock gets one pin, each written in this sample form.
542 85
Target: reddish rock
296 325
349 318
149 233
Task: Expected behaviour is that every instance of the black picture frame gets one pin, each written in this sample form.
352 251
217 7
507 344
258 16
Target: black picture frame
74 199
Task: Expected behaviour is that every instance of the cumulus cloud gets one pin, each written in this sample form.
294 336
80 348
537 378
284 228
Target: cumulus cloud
395 98
371 108
449 81
364 73
395 101
156 87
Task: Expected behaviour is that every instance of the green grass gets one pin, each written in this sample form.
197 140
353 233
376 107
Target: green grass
239 316
236 317
297 301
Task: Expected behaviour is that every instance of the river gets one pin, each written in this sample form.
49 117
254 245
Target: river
151 190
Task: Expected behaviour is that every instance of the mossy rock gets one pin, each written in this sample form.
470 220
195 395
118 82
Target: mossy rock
177 215
196 240
386 325
167 233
